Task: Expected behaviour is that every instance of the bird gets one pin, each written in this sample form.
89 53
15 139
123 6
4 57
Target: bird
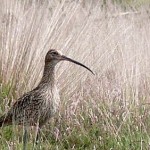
36 107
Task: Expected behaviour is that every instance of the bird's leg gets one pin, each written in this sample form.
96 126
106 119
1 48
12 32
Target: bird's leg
37 135
25 136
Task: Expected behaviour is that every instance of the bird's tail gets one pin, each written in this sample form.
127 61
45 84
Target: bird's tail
4 120
1 121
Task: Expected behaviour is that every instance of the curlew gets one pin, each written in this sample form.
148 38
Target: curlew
36 107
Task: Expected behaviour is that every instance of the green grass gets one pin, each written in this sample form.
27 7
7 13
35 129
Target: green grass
123 131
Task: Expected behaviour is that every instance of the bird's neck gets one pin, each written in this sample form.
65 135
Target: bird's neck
48 78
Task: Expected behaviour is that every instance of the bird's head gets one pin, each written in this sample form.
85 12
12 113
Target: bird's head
56 56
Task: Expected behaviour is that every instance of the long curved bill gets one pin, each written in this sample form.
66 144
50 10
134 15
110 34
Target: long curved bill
73 61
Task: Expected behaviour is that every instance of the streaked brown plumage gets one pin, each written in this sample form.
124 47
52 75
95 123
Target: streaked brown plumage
38 105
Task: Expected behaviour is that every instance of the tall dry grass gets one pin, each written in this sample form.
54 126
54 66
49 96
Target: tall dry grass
114 43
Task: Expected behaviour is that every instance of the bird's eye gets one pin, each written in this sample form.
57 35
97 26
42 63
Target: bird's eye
55 53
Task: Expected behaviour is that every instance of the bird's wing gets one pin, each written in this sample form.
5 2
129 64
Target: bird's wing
20 104
21 108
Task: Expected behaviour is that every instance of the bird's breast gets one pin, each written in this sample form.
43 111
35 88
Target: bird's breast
50 104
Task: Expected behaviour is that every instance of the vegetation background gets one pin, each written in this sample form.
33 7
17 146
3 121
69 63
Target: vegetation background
108 111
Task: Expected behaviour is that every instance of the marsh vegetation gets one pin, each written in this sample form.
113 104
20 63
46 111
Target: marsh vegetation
110 110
